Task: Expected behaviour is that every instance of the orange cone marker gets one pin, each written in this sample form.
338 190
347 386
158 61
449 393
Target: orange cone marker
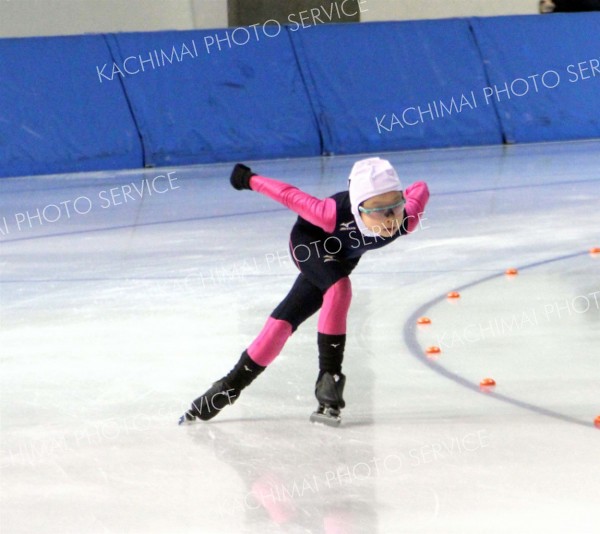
433 350
423 320
511 271
453 295
595 251
487 385
597 421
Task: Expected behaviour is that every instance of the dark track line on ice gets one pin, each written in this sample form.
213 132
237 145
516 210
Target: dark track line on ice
129 226
519 186
409 333
242 276
277 210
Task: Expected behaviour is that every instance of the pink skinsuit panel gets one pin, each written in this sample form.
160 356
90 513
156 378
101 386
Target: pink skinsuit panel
334 312
268 344
319 212
416 196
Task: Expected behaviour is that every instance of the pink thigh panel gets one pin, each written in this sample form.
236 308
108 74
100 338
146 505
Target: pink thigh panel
336 303
268 344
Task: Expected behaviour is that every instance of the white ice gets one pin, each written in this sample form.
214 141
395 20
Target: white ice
114 320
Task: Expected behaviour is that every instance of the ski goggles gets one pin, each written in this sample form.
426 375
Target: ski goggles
385 212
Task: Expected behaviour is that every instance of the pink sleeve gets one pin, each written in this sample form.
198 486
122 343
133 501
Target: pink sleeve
416 196
321 213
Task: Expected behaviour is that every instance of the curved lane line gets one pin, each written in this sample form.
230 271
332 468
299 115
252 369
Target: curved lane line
409 333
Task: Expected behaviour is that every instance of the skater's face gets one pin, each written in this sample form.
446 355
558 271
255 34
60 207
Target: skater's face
383 214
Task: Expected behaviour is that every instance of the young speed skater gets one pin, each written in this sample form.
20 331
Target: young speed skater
326 243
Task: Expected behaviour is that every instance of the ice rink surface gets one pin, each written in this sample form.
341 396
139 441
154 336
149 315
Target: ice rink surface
124 295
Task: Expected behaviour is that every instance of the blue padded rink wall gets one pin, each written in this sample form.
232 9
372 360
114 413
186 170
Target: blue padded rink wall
121 310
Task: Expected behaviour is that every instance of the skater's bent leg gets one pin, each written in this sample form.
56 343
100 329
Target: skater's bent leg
301 302
268 344
336 303
331 337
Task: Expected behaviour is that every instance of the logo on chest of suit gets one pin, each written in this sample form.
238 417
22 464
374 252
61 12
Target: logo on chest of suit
347 226
329 257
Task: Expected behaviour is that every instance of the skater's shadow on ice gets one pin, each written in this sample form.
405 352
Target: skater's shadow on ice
300 423
288 471
240 421
357 423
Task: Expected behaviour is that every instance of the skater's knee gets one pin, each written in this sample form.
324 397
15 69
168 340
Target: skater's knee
268 344
336 303
340 292
294 321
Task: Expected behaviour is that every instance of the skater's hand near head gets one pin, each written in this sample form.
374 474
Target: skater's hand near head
240 177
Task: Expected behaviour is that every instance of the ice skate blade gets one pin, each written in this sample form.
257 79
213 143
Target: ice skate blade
187 419
324 419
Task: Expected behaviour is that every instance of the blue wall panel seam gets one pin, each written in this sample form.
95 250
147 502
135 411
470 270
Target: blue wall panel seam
311 87
473 32
305 83
127 99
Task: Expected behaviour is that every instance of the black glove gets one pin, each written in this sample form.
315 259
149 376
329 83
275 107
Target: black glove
240 177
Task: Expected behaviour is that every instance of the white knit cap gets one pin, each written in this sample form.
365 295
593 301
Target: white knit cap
368 178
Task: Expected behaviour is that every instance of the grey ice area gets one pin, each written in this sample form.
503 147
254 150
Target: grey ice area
113 320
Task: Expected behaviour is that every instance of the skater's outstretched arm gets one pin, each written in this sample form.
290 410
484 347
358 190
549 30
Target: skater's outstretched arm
316 211
319 212
416 196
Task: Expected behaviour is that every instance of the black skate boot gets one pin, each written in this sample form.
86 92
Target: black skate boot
205 407
330 383
329 392
223 392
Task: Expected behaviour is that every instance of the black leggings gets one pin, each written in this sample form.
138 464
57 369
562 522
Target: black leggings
322 284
